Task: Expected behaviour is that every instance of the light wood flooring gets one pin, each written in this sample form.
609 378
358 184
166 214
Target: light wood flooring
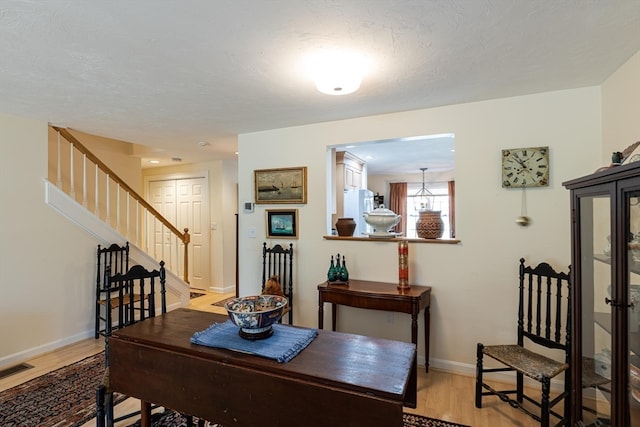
441 395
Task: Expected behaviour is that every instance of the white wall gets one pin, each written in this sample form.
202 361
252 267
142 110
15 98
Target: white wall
474 282
621 108
47 265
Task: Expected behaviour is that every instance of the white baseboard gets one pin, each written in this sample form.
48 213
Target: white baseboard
20 357
222 289
30 353
469 370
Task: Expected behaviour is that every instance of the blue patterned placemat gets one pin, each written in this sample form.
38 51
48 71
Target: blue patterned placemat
285 343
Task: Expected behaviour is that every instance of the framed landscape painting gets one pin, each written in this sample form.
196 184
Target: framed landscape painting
286 185
282 223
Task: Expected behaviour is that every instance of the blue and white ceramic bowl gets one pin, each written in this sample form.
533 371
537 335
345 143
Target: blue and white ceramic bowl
255 314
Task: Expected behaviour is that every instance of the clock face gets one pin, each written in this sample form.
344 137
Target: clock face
525 167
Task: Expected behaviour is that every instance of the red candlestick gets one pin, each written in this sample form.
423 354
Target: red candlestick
403 265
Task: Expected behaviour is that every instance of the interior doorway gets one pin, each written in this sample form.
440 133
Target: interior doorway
185 202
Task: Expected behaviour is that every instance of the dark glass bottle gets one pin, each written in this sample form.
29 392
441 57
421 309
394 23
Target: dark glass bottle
344 273
331 274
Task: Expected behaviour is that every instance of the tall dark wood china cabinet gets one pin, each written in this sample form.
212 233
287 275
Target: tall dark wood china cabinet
605 346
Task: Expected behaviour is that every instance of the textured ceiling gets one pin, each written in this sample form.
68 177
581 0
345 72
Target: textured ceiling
170 74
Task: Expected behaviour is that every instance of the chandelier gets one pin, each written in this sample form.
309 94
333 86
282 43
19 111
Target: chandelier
422 197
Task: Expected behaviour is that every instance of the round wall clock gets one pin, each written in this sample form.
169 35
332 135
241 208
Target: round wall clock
525 167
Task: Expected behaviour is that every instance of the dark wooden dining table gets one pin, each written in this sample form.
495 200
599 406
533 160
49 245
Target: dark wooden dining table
339 379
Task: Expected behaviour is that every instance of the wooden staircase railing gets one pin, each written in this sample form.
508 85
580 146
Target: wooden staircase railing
143 225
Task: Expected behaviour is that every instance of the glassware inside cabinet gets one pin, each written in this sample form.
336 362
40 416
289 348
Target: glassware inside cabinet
633 304
596 275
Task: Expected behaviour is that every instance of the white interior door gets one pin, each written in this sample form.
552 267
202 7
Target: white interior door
162 196
185 203
193 212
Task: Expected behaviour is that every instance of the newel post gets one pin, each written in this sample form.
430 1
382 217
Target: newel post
186 239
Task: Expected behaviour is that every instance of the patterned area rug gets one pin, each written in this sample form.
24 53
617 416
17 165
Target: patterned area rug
62 398
173 419
221 302
410 420
195 294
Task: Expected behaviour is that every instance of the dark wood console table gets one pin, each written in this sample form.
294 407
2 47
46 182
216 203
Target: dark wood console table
379 296
327 384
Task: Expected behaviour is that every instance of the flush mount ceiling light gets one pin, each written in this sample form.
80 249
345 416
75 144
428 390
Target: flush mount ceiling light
337 72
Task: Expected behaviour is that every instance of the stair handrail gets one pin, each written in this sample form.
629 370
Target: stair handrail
183 236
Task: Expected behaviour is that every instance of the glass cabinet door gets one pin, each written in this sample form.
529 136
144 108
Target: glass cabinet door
596 295
632 207
605 358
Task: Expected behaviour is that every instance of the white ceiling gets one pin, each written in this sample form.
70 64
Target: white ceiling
173 73
405 156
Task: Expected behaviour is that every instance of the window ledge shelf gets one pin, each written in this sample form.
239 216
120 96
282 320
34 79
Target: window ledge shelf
393 239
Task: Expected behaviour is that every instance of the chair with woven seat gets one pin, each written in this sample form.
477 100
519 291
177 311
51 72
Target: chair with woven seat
592 379
544 307
111 260
278 262
134 295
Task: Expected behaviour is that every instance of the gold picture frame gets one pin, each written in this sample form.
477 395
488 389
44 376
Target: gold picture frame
282 223
284 185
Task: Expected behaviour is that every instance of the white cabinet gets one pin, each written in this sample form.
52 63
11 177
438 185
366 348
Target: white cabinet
350 174
349 171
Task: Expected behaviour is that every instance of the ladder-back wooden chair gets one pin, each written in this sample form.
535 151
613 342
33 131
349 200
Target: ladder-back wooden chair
278 261
544 310
110 261
137 290
136 295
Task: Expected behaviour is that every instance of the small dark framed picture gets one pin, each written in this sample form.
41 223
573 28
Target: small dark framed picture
282 223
